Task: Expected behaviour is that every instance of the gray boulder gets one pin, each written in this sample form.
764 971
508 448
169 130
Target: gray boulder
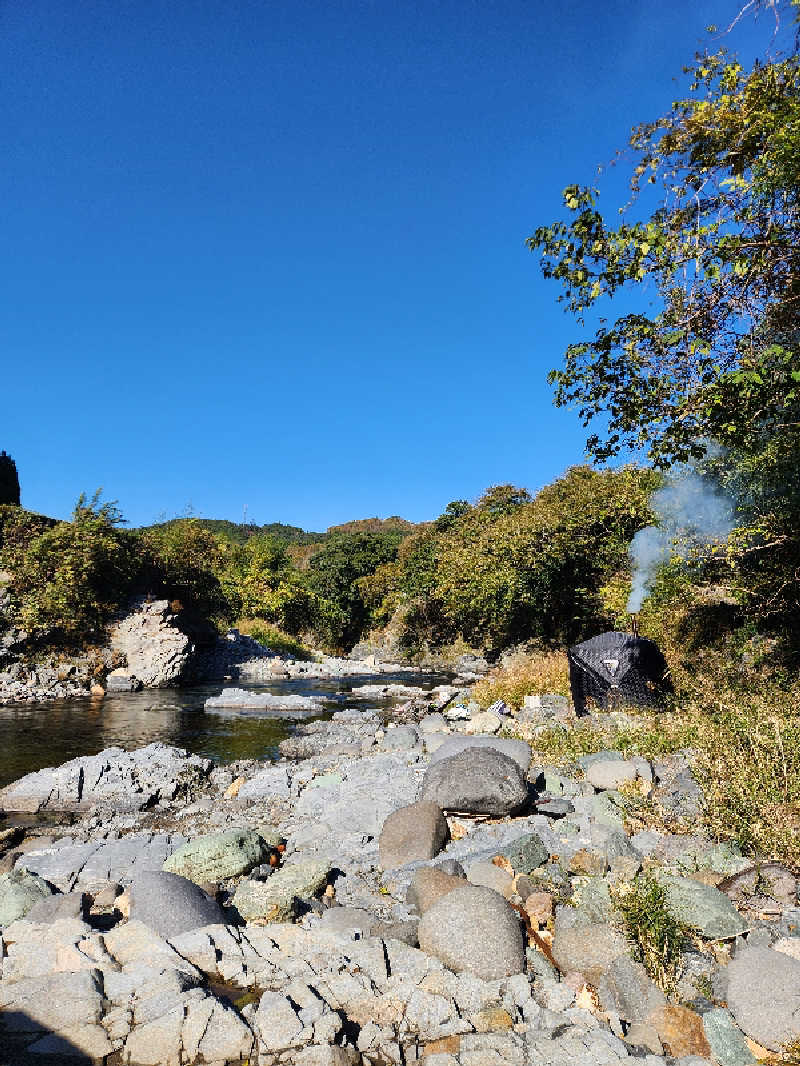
428 886
474 930
20 891
57 907
171 905
476 781
416 832
517 750
764 996
588 949
271 782
628 991
218 856
527 853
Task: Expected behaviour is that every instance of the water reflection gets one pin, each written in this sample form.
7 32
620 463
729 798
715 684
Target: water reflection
36 735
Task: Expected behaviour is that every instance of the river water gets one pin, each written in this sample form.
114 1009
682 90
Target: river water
35 735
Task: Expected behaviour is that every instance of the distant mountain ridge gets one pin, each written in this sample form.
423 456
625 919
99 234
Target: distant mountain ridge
240 532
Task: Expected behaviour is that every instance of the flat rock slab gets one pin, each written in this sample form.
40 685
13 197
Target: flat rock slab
476 781
68 865
270 783
218 856
242 700
171 905
517 750
120 779
474 930
764 996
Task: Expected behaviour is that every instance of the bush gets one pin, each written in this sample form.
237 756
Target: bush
68 580
274 639
9 481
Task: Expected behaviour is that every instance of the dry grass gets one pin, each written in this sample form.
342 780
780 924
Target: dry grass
744 744
522 674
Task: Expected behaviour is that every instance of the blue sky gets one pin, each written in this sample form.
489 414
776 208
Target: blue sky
273 254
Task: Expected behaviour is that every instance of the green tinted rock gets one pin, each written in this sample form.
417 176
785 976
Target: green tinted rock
527 853
218 856
273 900
19 891
702 907
726 1039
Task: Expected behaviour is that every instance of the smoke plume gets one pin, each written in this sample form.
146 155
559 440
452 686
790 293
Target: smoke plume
692 517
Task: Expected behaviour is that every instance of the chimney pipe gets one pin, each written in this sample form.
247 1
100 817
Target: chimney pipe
635 624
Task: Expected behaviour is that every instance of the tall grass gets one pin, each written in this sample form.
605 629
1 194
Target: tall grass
524 673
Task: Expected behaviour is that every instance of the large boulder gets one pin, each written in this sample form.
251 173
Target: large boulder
154 648
474 930
590 950
125 780
429 885
476 781
171 905
764 996
418 831
218 856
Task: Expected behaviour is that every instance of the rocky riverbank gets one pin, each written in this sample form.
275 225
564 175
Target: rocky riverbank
148 649
400 888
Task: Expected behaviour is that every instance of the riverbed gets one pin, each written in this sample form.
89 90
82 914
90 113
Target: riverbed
35 735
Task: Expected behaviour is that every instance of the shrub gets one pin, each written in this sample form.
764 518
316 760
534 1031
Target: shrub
274 639
9 480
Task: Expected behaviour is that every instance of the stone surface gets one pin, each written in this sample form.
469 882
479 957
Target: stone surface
57 907
67 864
702 907
589 949
518 750
274 900
272 781
474 930
19 892
628 991
154 648
611 773
763 991
124 780
170 904
680 1031
241 699
218 856
428 886
476 781
527 853
418 831
725 1039
491 876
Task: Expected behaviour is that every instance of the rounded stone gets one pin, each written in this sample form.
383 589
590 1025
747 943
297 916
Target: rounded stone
476 781
764 996
274 900
171 905
20 891
428 886
218 856
588 949
416 832
474 930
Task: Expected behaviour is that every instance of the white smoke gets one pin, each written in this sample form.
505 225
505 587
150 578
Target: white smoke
693 517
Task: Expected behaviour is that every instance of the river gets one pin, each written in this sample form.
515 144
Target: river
35 735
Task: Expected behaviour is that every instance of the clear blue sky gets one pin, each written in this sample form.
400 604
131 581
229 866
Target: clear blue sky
272 253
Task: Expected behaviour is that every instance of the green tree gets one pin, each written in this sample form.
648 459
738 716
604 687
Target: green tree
9 480
715 354
341 614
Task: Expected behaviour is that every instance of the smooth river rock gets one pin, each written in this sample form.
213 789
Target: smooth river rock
517 750
418 831
476 781
273 900
474 930
171 905
20 891
764 996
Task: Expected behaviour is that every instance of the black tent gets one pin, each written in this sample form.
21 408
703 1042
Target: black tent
614 669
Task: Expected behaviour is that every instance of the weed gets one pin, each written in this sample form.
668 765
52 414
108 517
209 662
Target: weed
522 674
657 936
